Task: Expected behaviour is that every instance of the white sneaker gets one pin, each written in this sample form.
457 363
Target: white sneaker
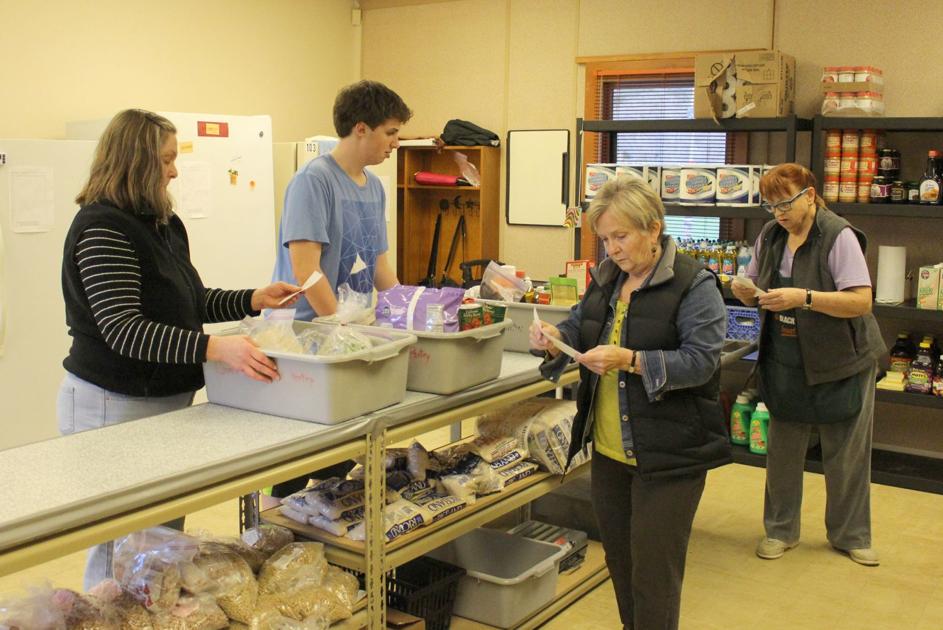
771 548
868 557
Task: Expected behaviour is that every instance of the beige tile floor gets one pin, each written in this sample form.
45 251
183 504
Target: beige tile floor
726 586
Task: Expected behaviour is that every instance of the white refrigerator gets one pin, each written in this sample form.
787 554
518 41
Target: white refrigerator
225 196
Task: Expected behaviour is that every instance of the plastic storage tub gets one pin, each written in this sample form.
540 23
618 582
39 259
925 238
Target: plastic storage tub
445 363
522 314
328 389
507 577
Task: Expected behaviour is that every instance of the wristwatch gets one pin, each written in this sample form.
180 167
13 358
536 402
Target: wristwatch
808 300
631 369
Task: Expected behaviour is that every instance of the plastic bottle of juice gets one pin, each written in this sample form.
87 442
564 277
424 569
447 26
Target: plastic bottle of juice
903 353
729 266
759 429
937 385
920 377
740 420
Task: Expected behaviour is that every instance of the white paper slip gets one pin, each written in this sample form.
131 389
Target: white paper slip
746 283
310 282
562 347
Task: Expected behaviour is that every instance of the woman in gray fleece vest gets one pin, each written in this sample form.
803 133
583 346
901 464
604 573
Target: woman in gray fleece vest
819 348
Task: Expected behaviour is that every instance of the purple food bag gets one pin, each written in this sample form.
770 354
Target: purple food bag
404 306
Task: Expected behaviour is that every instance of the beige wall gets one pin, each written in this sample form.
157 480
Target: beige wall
67 60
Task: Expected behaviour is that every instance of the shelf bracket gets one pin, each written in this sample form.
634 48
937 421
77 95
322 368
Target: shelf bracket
375 500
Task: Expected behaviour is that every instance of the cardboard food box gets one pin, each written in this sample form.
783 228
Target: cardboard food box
928 287
402 621
760 84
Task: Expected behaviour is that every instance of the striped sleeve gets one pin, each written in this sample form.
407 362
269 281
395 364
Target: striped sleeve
227 306
111 276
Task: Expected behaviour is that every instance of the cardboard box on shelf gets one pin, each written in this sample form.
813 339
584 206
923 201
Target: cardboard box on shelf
764 87
928 287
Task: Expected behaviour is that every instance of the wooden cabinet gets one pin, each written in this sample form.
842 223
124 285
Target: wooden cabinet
419 206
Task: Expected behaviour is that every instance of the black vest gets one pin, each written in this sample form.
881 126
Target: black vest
683 432
832 348
171 293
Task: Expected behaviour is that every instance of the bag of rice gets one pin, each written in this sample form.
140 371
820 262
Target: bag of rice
339 526
465 487
399 517
293 562
235 589
438 506
267 539
543 425
131 614
192 612
148 563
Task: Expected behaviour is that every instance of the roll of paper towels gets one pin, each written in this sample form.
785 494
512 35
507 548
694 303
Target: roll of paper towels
892 271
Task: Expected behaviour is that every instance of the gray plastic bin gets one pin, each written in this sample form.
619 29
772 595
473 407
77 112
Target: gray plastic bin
445 363
507 578
327 389
522 314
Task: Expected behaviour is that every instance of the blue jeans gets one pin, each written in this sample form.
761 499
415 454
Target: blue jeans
82 406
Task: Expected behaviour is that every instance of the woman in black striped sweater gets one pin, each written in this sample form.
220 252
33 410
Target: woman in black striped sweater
135 305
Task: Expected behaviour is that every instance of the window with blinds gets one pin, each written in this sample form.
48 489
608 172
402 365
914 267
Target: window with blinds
657 97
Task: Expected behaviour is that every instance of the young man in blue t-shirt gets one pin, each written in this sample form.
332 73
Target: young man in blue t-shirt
333 220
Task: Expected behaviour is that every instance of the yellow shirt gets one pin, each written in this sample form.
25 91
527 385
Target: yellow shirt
607 427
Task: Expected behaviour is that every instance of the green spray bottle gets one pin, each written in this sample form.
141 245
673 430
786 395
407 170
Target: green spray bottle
759 429
740 420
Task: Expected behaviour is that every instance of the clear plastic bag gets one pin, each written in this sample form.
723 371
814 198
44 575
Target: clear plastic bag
40 609
344 340
148 564
192 612
299 561
274 334
352 307
498 284
267 539
232 580
130 613
468 170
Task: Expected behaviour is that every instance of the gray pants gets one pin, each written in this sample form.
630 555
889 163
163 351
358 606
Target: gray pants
846 459
82 406
645 527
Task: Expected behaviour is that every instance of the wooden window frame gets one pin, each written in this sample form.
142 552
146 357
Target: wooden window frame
597 68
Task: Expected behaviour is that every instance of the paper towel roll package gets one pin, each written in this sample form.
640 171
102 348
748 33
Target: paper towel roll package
892 272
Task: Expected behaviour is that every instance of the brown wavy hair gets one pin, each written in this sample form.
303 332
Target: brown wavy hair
126 170
785 180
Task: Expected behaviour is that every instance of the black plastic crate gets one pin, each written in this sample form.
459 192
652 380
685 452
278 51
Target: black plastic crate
424 587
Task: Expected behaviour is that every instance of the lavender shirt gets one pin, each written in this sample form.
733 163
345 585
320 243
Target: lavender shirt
846 262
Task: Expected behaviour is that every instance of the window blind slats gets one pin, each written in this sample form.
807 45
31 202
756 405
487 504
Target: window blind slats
660 97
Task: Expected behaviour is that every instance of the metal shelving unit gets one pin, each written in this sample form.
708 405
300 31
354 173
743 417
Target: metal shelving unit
907 210
789 125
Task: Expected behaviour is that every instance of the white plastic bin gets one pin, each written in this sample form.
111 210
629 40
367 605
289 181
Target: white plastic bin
508 577
323 389
445 363
522 314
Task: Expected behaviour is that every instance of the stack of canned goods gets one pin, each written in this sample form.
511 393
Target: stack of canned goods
856 170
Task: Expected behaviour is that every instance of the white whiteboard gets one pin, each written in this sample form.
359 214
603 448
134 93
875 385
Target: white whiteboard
538 176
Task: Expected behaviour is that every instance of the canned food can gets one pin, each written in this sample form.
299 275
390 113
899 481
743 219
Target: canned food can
830 189
849 141
470 316
867 165
833 140
494 313
864 190
868 142
848 191
832 164
848 165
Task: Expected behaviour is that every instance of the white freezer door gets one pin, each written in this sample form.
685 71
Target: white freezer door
35 340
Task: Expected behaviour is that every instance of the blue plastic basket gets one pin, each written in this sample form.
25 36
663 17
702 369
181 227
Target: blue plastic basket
743 323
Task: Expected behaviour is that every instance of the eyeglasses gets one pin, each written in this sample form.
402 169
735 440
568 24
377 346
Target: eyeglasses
783 206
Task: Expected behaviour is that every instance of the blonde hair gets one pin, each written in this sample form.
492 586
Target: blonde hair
127 170
632 200
785 180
